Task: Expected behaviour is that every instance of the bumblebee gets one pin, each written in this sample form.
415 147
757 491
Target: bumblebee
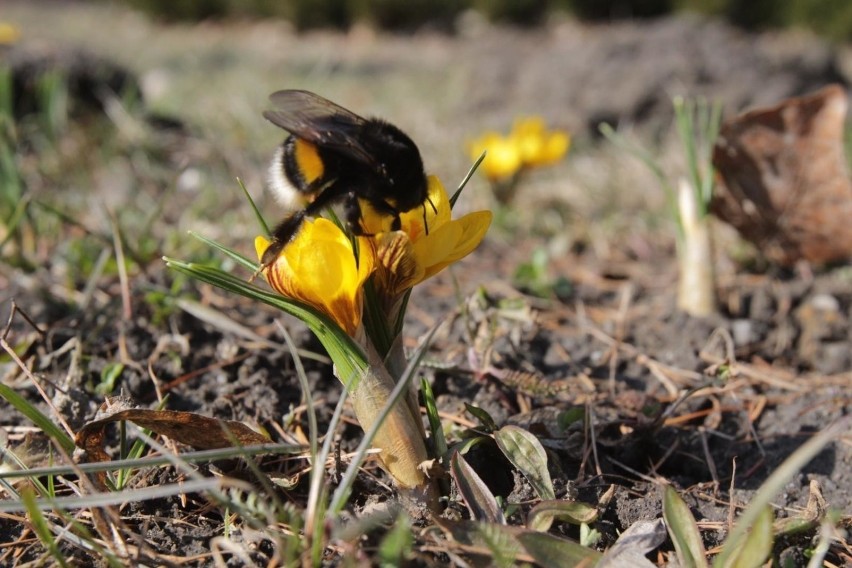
334 156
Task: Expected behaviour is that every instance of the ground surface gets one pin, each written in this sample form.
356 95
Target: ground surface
603 333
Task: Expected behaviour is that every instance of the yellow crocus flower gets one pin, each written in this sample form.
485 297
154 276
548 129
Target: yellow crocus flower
528 145
319 268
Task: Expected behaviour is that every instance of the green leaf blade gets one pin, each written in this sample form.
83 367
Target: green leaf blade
527 454
479 499
757 546
541 516
683 530
554 552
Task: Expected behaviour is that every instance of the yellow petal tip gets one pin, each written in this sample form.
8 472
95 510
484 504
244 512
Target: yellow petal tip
261 243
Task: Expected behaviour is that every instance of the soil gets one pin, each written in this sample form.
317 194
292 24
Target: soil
598 331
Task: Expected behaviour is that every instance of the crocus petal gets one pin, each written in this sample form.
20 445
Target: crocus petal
261 243
373 222
366 259
528 144
473 228
398 266
436 213
318 267
464 236
532 126
448 240
438 245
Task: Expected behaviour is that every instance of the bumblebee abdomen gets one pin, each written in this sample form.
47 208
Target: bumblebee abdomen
304 163
297 172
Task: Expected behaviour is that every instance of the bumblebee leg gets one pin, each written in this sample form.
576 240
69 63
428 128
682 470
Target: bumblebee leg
325 198
287 229
352 209
281 235
384 208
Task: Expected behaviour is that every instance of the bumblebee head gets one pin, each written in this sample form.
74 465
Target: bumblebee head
410 189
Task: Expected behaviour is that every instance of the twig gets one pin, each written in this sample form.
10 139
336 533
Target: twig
708 458
590 415
732 505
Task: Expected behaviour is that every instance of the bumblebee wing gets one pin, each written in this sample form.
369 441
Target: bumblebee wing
320 121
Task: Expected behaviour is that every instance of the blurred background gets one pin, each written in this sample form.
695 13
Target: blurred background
832 18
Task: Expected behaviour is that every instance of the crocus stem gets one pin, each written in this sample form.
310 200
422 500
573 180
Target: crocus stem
396 363
400 437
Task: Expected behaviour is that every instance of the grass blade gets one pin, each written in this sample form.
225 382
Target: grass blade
37 418
260 220
42 527
346 354
683 530
466 179
439 441
479 499
240 259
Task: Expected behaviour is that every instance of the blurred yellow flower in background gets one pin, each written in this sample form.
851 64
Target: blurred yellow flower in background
529 144
536 145
319 268
502 158
9 33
